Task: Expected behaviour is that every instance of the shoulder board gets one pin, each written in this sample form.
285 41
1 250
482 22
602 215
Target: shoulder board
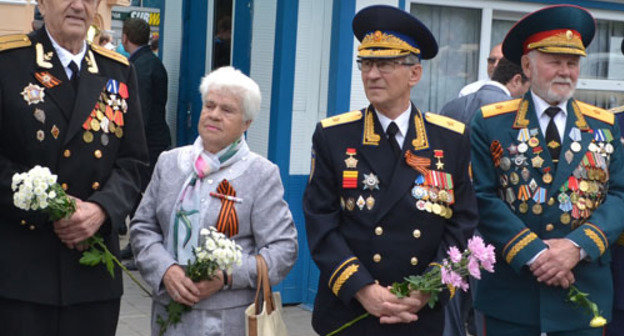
446 122
596 113
341 118
500 108
616 110
110 54
15 41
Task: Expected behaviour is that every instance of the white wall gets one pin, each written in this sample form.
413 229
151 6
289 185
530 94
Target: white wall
261 70
311 79
171 49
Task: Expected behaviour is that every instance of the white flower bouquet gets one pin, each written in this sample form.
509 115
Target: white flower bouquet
37 190
215 252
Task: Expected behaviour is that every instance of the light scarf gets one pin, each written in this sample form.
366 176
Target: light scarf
186 217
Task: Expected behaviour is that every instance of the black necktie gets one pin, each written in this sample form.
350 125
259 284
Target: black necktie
553 141
391 132
75 75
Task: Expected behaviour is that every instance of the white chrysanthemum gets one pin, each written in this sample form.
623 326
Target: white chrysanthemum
210 244
204 232
52 194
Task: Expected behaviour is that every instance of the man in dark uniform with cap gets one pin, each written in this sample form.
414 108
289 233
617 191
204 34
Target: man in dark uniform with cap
71 107
549 177
389 189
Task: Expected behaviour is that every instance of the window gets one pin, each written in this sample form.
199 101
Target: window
457 31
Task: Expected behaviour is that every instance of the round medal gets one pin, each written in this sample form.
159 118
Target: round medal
533 142
514 178
551 201
433 195
565 218
581 203
443 195
574 197
523 207
420 205
449 213
87 137
584 186
428 206
592 147
575 147
104 139
547 178
505 163
99 115
436 208
522 147
609 148
112 127
537 208
118 132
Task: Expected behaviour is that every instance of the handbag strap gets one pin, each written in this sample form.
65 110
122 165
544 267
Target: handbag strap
263 284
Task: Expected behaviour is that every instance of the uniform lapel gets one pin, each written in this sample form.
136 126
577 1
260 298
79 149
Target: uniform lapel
403 176
375 148
90 88
564 169
63 94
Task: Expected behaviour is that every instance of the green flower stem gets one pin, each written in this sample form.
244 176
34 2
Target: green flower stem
348 324
95 241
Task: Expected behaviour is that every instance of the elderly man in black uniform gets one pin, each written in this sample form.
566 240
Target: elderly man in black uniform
389 190
71 107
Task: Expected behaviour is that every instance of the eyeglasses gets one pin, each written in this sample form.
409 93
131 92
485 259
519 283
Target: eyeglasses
384 66
492 60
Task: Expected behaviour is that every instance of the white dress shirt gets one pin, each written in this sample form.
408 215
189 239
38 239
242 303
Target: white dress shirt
402 121
560 118
65 56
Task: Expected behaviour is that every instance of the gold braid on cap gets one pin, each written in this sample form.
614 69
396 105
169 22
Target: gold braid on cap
560 43
390 44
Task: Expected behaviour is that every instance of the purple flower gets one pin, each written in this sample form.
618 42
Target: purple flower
477 247
454 254
463 285
473 267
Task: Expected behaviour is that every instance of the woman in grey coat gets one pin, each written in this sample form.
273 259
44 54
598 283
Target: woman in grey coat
194 180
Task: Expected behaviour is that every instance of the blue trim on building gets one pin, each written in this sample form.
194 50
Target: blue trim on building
402 5
583 3
161 29
282 92
341 57
192 68
243 22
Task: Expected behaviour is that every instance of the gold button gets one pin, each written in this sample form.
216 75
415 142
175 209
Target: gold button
379 230
64 186
67 153
97 154
414 261
23 222
32 227
550 227
416 233
95 185
551 201
377 257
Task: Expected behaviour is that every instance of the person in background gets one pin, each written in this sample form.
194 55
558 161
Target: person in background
508 81
196 178
72 107
549 176
495 56
152 84
367 223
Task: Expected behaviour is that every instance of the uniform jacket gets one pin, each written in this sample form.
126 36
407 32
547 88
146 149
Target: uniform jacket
59 132
464 108
581 200
617 266
265 223
362 219
152 81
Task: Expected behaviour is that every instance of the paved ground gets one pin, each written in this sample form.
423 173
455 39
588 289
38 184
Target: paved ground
134 318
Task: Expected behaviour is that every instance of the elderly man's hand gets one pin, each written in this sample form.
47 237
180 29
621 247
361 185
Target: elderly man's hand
83 224
180 287
380 302
554 266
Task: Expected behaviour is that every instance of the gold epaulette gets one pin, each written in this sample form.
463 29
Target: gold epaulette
500 108
110 54
446 122
616 110
596 113
14 41
341 118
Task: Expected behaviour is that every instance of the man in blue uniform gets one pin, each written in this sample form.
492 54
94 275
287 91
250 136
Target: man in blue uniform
549 178
389 189
74 108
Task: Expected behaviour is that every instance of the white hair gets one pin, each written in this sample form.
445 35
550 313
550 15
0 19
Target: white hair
237 83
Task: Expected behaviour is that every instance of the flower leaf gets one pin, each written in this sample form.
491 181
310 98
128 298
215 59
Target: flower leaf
91 257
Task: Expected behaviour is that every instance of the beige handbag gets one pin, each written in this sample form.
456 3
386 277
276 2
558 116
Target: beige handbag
264 316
